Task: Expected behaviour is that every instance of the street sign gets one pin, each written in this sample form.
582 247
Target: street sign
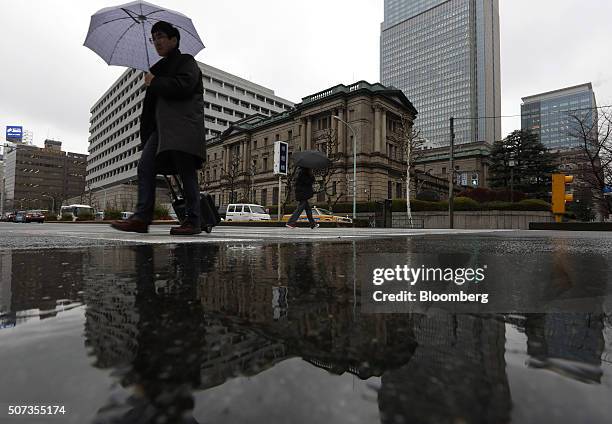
14 133
281 157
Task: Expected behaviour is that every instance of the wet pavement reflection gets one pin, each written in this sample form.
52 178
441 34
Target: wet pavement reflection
237 333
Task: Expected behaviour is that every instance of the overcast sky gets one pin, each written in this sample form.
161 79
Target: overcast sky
49 81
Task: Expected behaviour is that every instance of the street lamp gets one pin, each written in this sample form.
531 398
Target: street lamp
354 165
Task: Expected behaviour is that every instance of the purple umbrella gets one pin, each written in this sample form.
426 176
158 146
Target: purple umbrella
120 34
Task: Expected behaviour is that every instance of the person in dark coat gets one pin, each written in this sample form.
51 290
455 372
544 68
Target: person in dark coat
172 131
303 192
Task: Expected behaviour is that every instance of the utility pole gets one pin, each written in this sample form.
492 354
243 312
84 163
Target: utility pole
451 173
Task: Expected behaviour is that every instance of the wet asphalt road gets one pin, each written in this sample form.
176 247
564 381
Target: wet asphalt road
258 326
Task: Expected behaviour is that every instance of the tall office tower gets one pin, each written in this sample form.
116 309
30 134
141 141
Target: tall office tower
549 115
114 123
444 55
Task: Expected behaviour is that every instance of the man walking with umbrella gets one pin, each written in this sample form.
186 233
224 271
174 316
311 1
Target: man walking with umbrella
306 161
303 192
171 131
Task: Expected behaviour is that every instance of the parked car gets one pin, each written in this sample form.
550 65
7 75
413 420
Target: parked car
237 212
35 216
321 215
126 214
20 216
9 217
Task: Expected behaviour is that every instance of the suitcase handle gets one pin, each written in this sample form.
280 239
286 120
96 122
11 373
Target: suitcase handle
171 187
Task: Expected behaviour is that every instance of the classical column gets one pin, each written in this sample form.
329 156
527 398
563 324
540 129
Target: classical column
341 133
303 134
226 151
383 128
243 146
334 124
309 133
377 129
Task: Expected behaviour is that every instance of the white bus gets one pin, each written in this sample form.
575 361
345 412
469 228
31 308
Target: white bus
76 210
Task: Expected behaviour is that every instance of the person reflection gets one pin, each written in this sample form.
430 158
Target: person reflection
169 343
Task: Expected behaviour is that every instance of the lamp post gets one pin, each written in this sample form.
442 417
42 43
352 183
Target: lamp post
511 165
354 165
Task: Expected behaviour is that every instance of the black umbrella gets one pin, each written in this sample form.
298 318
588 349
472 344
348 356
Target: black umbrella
311 159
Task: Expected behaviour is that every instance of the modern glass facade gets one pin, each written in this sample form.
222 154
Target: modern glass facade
444 55
549 115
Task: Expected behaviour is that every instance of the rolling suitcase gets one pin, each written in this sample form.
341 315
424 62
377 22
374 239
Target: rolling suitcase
209 215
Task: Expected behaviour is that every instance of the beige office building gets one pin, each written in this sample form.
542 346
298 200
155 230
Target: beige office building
42 178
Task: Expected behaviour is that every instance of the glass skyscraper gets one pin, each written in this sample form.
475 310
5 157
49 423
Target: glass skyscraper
549 115
444 55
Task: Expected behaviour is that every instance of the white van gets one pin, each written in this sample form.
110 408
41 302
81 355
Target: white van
246 212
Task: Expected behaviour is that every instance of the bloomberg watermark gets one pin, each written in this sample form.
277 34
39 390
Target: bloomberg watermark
482 282
410 277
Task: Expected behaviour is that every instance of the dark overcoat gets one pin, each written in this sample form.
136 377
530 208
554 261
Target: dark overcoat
303 185
173 107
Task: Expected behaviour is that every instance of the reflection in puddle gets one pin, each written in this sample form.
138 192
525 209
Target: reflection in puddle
272 333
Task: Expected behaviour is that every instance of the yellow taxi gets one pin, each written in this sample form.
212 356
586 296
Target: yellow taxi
320 215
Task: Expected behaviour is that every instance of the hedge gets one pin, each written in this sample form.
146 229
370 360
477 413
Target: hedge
84 217
485 195
460 204
110 214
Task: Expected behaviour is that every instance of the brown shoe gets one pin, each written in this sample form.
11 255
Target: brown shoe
186 229
132 225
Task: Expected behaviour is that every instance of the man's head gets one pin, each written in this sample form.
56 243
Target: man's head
165 38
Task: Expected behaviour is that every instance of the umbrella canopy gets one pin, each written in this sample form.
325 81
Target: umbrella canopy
311 159
120 34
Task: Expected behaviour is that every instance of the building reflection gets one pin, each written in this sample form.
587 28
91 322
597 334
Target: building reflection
147 323
39 284
170 320
570 344
457 374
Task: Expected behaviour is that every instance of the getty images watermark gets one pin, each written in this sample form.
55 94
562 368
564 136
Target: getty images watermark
408 281
481 281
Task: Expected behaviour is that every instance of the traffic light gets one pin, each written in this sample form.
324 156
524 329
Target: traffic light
559 196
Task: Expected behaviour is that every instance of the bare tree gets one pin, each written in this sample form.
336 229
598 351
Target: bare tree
248 184
87 194
593 128
327 142
230 175
410 145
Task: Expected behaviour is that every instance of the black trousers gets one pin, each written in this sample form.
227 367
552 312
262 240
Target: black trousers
303 205
186 166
